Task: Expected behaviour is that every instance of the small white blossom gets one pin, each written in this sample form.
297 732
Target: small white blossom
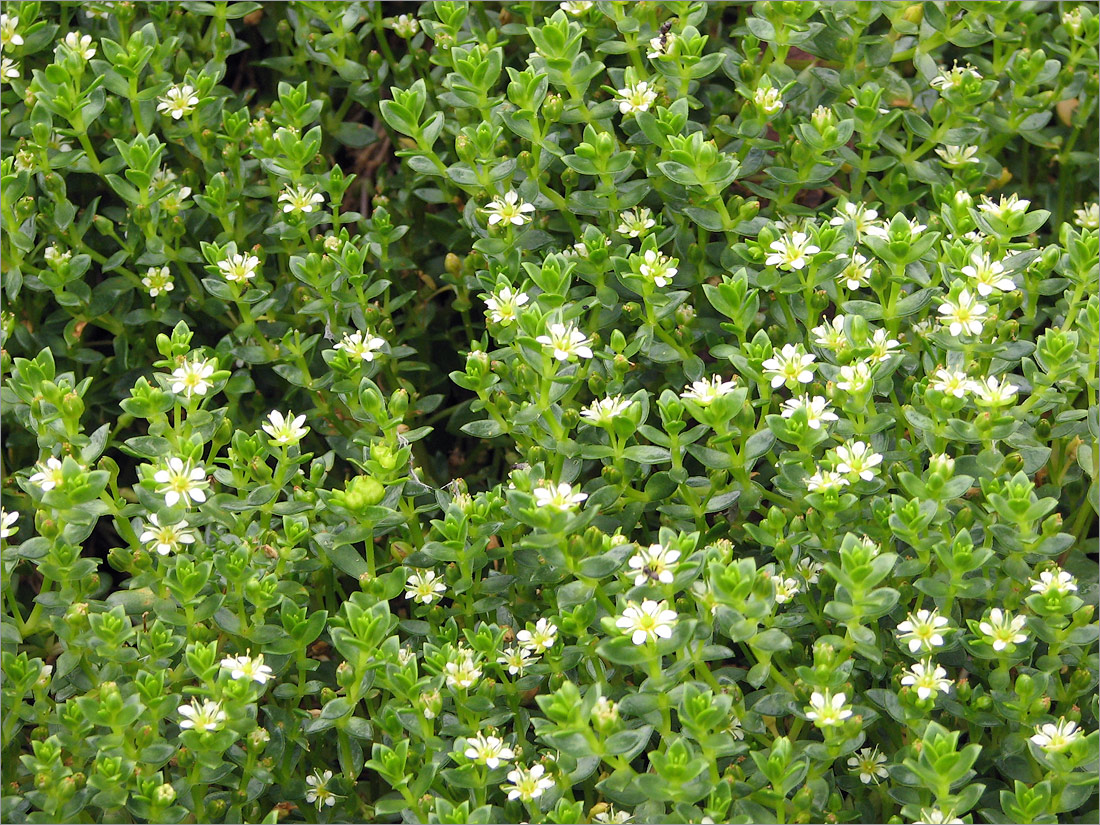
785 589
248 668
359 345
869 764
956 156
1002 629
566 341
208 716
541 639
648 621
856 273
462 671
791 251
181 482
173 202
59 143
654 563
516 659
636 98
165 538
635 223
790 366
660 45
860 216
488 750
935 816
857 458
192 377
768 99
827 709
882 346
300 199
318 792
1054 737
9 69
509 209
855 378
953 382
56 257
81 45
927 678
557 497
611 816
1006 207
9 34
405 26
424 586
286 430
988 275
818 410
178 101
603 410
706 392
50 475
992 393
576 7
830 334
923 630
963 314
810 570
824 481
239 269
6 521
1054 582
954 77
527 784
504 305
1088 217
158 280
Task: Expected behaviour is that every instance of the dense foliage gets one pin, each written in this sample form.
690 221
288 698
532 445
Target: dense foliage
656 412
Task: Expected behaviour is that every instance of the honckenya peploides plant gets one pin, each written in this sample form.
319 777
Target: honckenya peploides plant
580 412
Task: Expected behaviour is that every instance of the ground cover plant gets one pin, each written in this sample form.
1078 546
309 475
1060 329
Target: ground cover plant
536 412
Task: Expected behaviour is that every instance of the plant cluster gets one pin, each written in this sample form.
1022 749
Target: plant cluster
580 412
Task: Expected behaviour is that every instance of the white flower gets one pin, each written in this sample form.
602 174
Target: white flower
634 223
1054 737
791 251
817 410
963 314
992 393
246 667
791 366
516 659
405 26
300 199
868 763
488 750
824 481
603 410
158 280
1054 582
566 341
462 671
504 305
558 497
649 621
953 78
165 538
855 104
923 629
208 716
81 45
785 589
860 216
956 156
768 100
576 7
1089 217
810 570
935 816
174 201
59 143
927 678
654 563
1002 629
509 210
857 458
8 34
286 430
318 792
239 268
49 475
856 273
826 709
527 783
855 378
178 101
1005 207
611 816
6 521
360 345
56 257
830 334
192 377
1073 20
181 482
9 69
636 98
541 639
989 275
659 46
706 392
424 586
882 346
953 382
